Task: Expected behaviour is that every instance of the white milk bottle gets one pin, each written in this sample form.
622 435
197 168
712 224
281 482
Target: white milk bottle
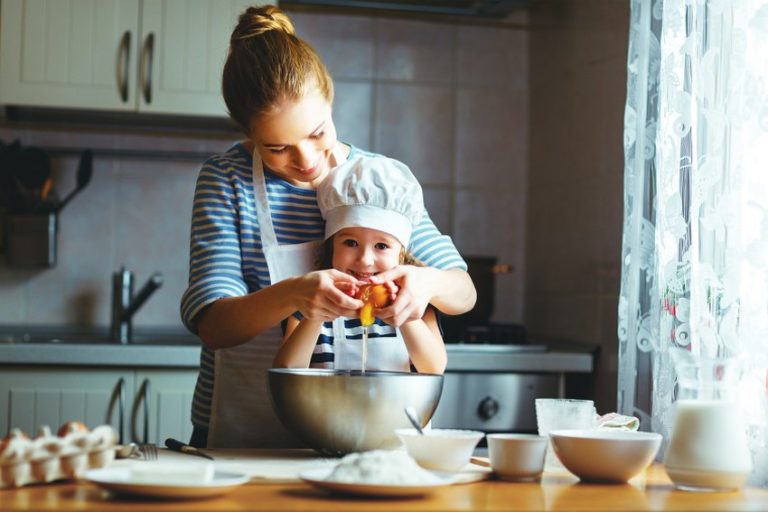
708 450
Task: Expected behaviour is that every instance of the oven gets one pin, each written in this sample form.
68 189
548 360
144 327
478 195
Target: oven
493 388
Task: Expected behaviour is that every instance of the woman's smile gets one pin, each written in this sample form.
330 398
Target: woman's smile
296 140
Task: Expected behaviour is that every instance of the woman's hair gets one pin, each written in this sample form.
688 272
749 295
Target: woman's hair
268 63
324 259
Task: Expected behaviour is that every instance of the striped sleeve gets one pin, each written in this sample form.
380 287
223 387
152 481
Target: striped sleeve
215 262
434 249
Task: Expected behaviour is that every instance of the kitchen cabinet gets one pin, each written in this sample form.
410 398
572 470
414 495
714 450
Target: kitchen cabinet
159 56
162 405
155 402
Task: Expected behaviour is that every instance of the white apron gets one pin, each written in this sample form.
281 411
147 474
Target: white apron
241 410
384 354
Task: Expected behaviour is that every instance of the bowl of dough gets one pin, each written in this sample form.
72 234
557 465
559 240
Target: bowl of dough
341 411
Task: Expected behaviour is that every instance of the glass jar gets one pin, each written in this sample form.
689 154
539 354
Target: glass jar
708 450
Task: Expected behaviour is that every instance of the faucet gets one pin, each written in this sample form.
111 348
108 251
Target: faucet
124 304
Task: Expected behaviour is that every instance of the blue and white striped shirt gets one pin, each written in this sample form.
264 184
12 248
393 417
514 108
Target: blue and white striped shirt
322 356
226 257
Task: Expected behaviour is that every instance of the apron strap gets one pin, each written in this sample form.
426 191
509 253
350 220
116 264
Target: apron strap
263 214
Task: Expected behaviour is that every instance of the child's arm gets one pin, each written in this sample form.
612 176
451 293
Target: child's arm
425 344
298 343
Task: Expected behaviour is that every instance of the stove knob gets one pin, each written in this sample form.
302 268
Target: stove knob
488 408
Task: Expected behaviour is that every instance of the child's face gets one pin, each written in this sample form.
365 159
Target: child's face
296 140
363 252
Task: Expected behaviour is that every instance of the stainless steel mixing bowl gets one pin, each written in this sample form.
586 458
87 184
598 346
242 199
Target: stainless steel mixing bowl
337 411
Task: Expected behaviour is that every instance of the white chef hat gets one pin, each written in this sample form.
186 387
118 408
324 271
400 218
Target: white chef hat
373 192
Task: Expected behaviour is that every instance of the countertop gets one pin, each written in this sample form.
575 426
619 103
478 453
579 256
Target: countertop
180 350
651 490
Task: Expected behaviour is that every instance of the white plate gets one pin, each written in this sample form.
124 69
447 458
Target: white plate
317 477
118 480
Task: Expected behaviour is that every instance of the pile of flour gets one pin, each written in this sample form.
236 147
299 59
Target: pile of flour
382 467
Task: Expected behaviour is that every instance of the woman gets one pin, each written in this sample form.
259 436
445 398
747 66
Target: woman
256 227
370 206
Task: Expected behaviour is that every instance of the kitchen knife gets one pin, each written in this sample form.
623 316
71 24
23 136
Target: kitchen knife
178 446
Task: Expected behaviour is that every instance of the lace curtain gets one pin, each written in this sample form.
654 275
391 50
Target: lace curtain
695 241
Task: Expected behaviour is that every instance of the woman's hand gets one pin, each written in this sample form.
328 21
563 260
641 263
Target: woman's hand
414 288
326 295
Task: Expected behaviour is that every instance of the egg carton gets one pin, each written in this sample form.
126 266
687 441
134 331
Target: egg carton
65 456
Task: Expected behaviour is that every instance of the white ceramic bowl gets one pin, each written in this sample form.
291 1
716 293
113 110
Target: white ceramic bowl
440 449
603 455
517 456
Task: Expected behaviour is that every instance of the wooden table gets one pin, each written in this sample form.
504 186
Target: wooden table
556 491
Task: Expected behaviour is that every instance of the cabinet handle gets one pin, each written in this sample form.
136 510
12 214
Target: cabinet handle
118 395
147 55
142 399
124 58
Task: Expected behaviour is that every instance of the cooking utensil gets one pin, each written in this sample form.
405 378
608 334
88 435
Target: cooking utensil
178 446
30 171
337 411
9 193
148 451
411 413
84 171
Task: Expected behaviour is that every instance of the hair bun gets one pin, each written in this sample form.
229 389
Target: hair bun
255 21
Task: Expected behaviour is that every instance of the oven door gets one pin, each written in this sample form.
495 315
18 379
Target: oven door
493 402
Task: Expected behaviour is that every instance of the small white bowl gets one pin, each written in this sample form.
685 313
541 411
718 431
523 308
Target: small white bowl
517 456
602 455
440 449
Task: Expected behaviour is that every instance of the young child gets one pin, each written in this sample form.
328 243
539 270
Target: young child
370 205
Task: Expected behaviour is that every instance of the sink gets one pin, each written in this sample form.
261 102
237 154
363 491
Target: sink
69 337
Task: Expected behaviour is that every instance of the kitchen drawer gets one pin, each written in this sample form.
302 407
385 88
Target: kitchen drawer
493 402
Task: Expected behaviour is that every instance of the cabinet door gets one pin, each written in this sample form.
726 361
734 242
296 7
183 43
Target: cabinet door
162 404
32 397
69 53
184 46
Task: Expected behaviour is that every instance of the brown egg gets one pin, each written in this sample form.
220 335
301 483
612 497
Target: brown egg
373 295
71 427
4 445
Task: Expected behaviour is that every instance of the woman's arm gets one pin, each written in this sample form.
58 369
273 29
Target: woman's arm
220 304
425 344
298 344
450 291
231 321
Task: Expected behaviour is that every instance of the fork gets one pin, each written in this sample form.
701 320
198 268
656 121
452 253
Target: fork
148 451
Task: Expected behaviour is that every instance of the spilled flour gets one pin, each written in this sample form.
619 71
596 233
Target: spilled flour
382 467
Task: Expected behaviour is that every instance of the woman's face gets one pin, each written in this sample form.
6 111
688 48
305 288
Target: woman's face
296 140
363 252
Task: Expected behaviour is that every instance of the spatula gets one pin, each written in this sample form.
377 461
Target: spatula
84 171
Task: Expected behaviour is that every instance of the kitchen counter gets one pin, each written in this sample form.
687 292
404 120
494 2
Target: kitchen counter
102 354
50 346
183 351
556 491
556 357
